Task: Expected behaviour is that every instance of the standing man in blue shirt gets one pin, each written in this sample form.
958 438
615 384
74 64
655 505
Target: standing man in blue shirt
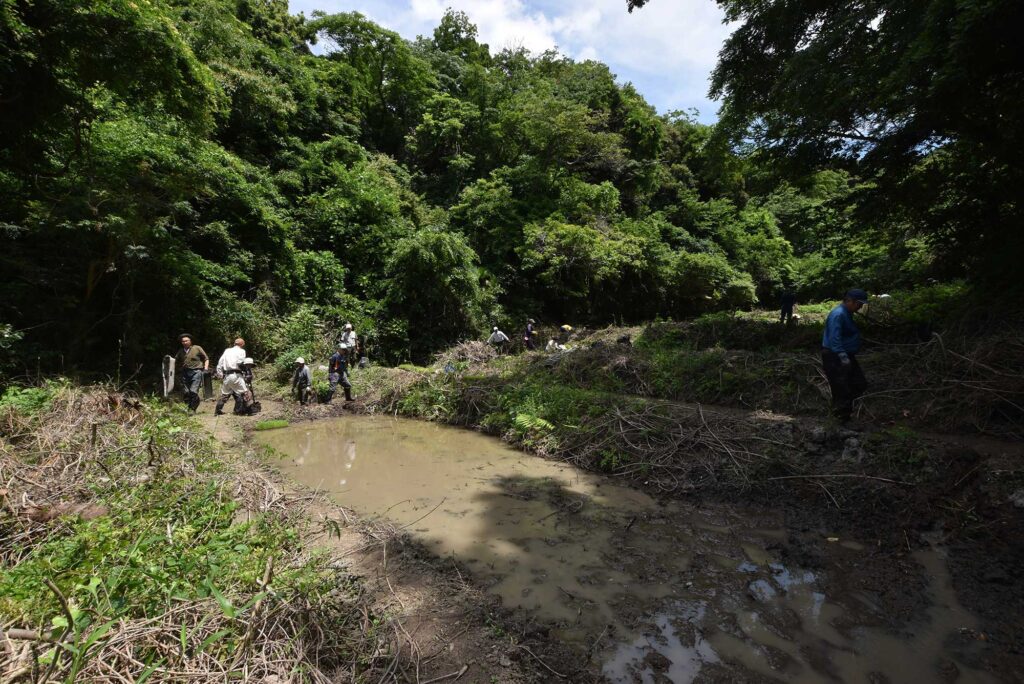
839 347
337 372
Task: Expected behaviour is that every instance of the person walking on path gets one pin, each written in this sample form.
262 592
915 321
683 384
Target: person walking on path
337 372
229 370
788 306
840 345
498 339
193 362
528 335
302 381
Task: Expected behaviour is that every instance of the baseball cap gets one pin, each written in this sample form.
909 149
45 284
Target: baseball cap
857 295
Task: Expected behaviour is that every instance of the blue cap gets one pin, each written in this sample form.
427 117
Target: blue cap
857 295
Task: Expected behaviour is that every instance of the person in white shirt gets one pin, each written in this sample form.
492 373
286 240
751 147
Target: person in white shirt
229 370
498 339
348 338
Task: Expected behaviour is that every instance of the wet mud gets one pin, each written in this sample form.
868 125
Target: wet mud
645 590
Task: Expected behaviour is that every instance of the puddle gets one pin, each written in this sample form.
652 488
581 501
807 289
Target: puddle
668 591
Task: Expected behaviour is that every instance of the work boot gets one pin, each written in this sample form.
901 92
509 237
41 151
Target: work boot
348 394
219 410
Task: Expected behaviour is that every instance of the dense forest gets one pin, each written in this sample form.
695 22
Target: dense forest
172 165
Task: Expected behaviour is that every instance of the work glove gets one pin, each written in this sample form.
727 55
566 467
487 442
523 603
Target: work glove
844 359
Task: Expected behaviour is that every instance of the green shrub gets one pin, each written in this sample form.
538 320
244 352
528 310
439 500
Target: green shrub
27 400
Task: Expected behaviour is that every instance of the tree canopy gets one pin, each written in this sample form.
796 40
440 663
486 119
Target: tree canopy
192 165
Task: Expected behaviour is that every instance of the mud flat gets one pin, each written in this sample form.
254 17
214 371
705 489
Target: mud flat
645 590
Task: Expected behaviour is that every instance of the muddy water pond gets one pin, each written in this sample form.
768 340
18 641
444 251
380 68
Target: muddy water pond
651 591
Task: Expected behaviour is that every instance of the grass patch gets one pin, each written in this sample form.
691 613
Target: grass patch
121 542
271 424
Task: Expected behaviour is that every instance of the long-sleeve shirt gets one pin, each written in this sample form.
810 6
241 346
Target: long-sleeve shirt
302 377
192 358
497 337
348 338
231 360
841 334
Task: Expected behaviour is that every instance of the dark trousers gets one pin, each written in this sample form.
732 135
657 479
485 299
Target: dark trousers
786 314
191 382
339 379
846 382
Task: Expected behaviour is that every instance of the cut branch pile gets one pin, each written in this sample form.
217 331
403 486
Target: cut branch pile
677 446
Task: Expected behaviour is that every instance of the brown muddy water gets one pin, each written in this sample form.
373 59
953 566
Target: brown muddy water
653 591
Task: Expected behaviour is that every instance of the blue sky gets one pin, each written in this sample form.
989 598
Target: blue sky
667 50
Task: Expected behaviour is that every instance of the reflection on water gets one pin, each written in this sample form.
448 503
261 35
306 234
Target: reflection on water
672 591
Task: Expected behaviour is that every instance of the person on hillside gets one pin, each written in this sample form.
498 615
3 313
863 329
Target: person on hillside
788 306
193 362
840 344
349 338
529 334
498 340
229 370
302 381
337 372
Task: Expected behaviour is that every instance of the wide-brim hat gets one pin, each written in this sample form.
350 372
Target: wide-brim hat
188 335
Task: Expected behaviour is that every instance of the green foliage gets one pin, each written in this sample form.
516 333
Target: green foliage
27 400
270 424
207 172
433 280
920 97
153 547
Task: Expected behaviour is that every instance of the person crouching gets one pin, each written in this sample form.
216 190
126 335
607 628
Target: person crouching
245 403
229 370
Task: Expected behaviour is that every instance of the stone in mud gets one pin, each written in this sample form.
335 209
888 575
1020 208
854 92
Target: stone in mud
657 662
852 450
761 590
1017 498
818 435
996 575
948 671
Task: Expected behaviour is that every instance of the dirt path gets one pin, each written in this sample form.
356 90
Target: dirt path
445 625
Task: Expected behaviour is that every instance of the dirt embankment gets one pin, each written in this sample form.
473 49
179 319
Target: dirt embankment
897 489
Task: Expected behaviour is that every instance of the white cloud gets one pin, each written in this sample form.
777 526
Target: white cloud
667 49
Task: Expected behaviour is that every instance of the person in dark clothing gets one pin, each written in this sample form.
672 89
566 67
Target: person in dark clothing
840 345
528 335
302 381
337 373
245 402
193 362
788 306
